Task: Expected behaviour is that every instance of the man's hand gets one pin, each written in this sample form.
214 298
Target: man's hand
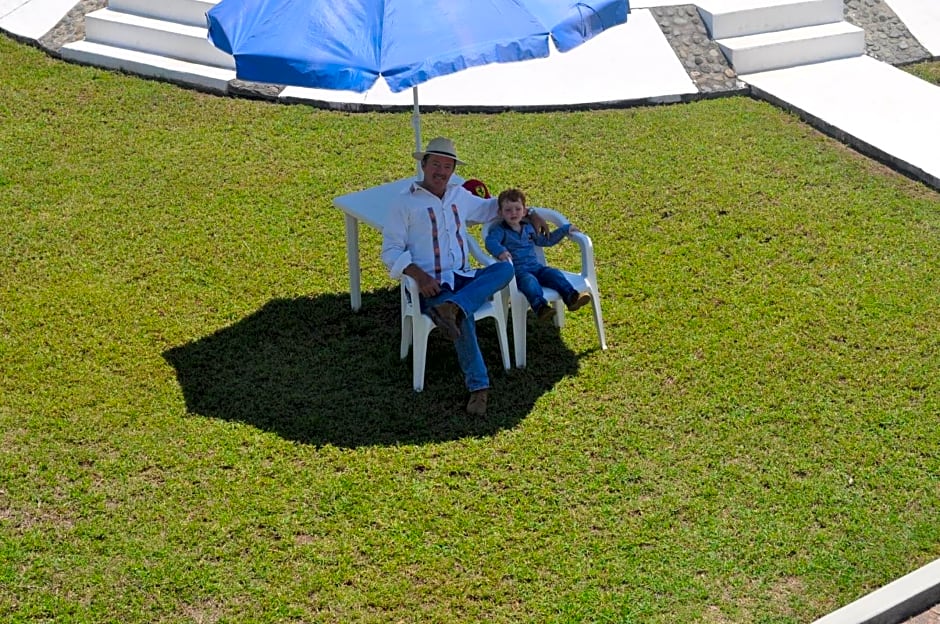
427 285
540 224
505 256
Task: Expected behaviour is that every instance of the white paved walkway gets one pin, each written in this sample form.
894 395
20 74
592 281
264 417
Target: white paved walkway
31 19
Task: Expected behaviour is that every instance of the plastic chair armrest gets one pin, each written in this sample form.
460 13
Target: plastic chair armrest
477 252
411 286
587 254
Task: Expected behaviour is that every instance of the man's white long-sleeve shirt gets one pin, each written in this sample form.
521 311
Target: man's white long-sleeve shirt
431 232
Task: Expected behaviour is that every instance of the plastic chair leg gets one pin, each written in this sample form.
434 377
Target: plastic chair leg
599 320
518 311
419 352
559 313
503 342
407 335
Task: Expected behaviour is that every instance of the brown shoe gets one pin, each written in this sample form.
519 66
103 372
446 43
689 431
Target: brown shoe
579 302
447 316
545 313
477 404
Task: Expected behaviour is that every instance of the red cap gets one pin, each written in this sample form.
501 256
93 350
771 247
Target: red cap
477 188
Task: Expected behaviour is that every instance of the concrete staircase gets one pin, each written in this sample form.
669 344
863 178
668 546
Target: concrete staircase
164 39
763 35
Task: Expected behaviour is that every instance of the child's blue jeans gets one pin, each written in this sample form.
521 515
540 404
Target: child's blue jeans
530 283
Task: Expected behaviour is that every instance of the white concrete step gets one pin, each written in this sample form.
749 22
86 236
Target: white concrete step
793 47
192 12
154 36
214 79
736 18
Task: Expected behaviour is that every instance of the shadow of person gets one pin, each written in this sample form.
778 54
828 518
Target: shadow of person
311 370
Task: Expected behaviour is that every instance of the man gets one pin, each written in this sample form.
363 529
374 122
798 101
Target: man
425 238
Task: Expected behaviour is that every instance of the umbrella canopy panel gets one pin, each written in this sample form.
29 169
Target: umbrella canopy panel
347 44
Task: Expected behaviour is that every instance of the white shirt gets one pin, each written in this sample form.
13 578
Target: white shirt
431 233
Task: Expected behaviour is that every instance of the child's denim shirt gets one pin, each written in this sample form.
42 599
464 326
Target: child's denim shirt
521 244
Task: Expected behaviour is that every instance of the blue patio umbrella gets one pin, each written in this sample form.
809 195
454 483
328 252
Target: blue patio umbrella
349 44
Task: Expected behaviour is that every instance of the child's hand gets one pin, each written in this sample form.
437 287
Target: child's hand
573 229
505 256
540 224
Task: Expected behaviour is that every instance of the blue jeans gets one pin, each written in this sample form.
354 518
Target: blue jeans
530 284
470 293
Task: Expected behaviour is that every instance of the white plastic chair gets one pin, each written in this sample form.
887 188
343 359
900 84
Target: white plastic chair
585 280
415 326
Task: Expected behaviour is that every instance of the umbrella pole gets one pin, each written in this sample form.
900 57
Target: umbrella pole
416 124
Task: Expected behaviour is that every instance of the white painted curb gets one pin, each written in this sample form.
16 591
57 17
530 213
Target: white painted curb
893 603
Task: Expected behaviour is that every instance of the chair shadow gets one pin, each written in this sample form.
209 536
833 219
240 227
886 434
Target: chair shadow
312 371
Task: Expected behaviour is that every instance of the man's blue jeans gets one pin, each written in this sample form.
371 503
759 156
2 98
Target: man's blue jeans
470 293
530 284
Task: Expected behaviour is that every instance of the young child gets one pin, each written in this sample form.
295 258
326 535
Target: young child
514 239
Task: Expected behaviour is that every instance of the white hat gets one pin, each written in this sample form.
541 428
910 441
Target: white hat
441 147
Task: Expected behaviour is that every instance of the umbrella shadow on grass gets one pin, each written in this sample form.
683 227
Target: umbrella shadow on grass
313 371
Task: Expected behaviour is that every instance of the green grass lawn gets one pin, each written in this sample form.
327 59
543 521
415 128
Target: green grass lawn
194 427
928 71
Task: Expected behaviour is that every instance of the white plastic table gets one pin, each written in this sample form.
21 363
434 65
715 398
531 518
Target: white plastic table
371 207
